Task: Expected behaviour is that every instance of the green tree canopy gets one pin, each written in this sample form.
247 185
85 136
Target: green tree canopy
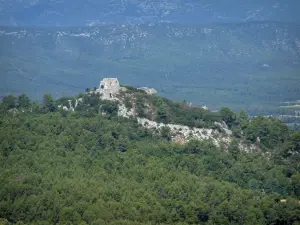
9 102
227 115
23 101
48 103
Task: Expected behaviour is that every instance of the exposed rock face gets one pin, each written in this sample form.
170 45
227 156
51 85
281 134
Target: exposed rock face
110 88
149 91
13 111
77 101
248 147
258 140
183 134
71 107
224 126
124 112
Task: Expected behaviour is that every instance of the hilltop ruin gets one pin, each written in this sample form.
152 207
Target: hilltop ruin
109 88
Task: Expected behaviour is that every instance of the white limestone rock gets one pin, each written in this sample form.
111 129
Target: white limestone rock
109 88
149 91
248 147
185 133
224 127
124 112
71 108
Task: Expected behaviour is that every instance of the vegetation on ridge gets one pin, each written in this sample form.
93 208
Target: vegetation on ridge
85 167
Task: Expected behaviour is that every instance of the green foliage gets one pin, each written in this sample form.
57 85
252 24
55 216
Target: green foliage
242 116
131 89
225 76
161 112
296 184
227 115
292 145
9 102
128 103
165 132
166 111
233 149
23 101
89 168
64 101
140 104
92 100
48 103
271 132
109 107
193 147
295 142
268 132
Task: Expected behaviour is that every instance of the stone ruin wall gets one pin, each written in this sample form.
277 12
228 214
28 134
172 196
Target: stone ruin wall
109 88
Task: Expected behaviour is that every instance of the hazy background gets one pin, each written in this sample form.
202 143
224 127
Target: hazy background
239 54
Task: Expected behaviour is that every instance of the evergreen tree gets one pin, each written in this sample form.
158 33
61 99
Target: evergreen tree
23 101
227 115
9 102
48 103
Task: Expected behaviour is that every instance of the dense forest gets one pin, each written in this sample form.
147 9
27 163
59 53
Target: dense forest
91 166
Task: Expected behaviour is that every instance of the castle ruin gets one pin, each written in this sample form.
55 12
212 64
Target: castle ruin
109 88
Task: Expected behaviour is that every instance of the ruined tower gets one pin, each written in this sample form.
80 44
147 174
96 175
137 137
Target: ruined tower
108 88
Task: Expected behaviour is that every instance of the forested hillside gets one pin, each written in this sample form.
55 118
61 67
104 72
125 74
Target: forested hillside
91 166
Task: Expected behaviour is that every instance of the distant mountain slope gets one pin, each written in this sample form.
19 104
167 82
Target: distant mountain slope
91 12
246 65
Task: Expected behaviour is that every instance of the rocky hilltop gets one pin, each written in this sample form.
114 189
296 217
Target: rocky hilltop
152 112
79 160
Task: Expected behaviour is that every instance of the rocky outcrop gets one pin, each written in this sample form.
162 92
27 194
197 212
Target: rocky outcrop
124 112
248 147
224 127
13 111
149 91
70 107
183 134
110 89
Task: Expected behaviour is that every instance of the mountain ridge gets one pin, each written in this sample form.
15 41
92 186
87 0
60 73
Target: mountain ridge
250 55
66 12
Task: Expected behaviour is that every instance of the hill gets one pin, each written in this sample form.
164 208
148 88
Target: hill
75 161
253 66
